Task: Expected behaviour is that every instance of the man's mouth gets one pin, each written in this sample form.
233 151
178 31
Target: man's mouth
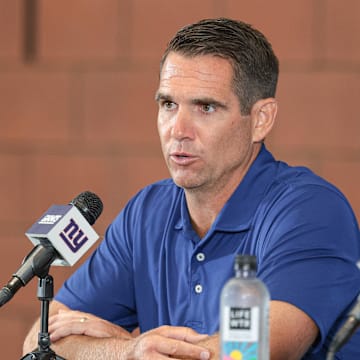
182 158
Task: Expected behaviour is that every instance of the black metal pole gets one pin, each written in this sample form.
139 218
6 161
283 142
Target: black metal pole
45 294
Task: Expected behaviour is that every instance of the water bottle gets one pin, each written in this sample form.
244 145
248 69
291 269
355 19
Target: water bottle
244 312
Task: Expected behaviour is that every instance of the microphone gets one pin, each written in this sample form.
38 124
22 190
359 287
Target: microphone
61 236
346 331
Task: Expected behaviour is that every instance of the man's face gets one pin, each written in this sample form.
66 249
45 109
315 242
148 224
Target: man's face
205 140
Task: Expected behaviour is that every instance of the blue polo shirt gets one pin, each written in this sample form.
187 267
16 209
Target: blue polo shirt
152 268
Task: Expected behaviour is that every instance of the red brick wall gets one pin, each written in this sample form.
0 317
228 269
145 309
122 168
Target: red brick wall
77 111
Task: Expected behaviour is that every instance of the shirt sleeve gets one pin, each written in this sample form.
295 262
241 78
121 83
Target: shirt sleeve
308 254
103 285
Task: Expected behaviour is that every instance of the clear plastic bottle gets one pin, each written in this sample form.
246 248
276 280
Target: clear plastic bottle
244 312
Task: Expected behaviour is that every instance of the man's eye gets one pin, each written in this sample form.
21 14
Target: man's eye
168 105
208 108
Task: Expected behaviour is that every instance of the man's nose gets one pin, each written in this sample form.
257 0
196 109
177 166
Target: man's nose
183 126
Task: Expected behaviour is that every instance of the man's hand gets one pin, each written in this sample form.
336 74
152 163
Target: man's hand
68 322
169 341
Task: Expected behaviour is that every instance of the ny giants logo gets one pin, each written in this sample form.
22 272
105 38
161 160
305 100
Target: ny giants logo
73 236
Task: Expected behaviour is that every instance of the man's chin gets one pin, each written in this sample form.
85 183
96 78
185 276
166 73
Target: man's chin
187 184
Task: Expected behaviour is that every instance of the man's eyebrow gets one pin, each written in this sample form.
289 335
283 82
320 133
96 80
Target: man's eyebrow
160 96
197 101
210 101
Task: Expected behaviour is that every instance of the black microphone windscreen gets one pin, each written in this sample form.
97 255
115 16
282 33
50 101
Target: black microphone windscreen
89 204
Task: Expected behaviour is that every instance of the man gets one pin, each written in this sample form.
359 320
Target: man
166 257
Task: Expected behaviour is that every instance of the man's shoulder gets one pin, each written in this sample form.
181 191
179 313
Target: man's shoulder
298 191
302 178
278 177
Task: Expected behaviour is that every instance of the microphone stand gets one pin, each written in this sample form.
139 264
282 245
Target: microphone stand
45 294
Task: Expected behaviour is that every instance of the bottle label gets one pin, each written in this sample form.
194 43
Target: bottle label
240 333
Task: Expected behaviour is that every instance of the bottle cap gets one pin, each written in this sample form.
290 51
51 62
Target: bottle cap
245 262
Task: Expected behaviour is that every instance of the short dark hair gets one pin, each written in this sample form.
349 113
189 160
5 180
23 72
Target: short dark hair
254 63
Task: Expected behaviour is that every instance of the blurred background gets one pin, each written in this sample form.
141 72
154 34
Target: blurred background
77 109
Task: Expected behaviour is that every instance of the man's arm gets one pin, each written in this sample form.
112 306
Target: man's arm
94 338
292 332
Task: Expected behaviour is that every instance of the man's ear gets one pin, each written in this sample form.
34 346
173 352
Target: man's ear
263 114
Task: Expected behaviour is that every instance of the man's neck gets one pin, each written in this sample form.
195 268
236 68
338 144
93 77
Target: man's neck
205 204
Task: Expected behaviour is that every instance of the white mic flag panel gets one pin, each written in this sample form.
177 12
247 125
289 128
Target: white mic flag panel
67 231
